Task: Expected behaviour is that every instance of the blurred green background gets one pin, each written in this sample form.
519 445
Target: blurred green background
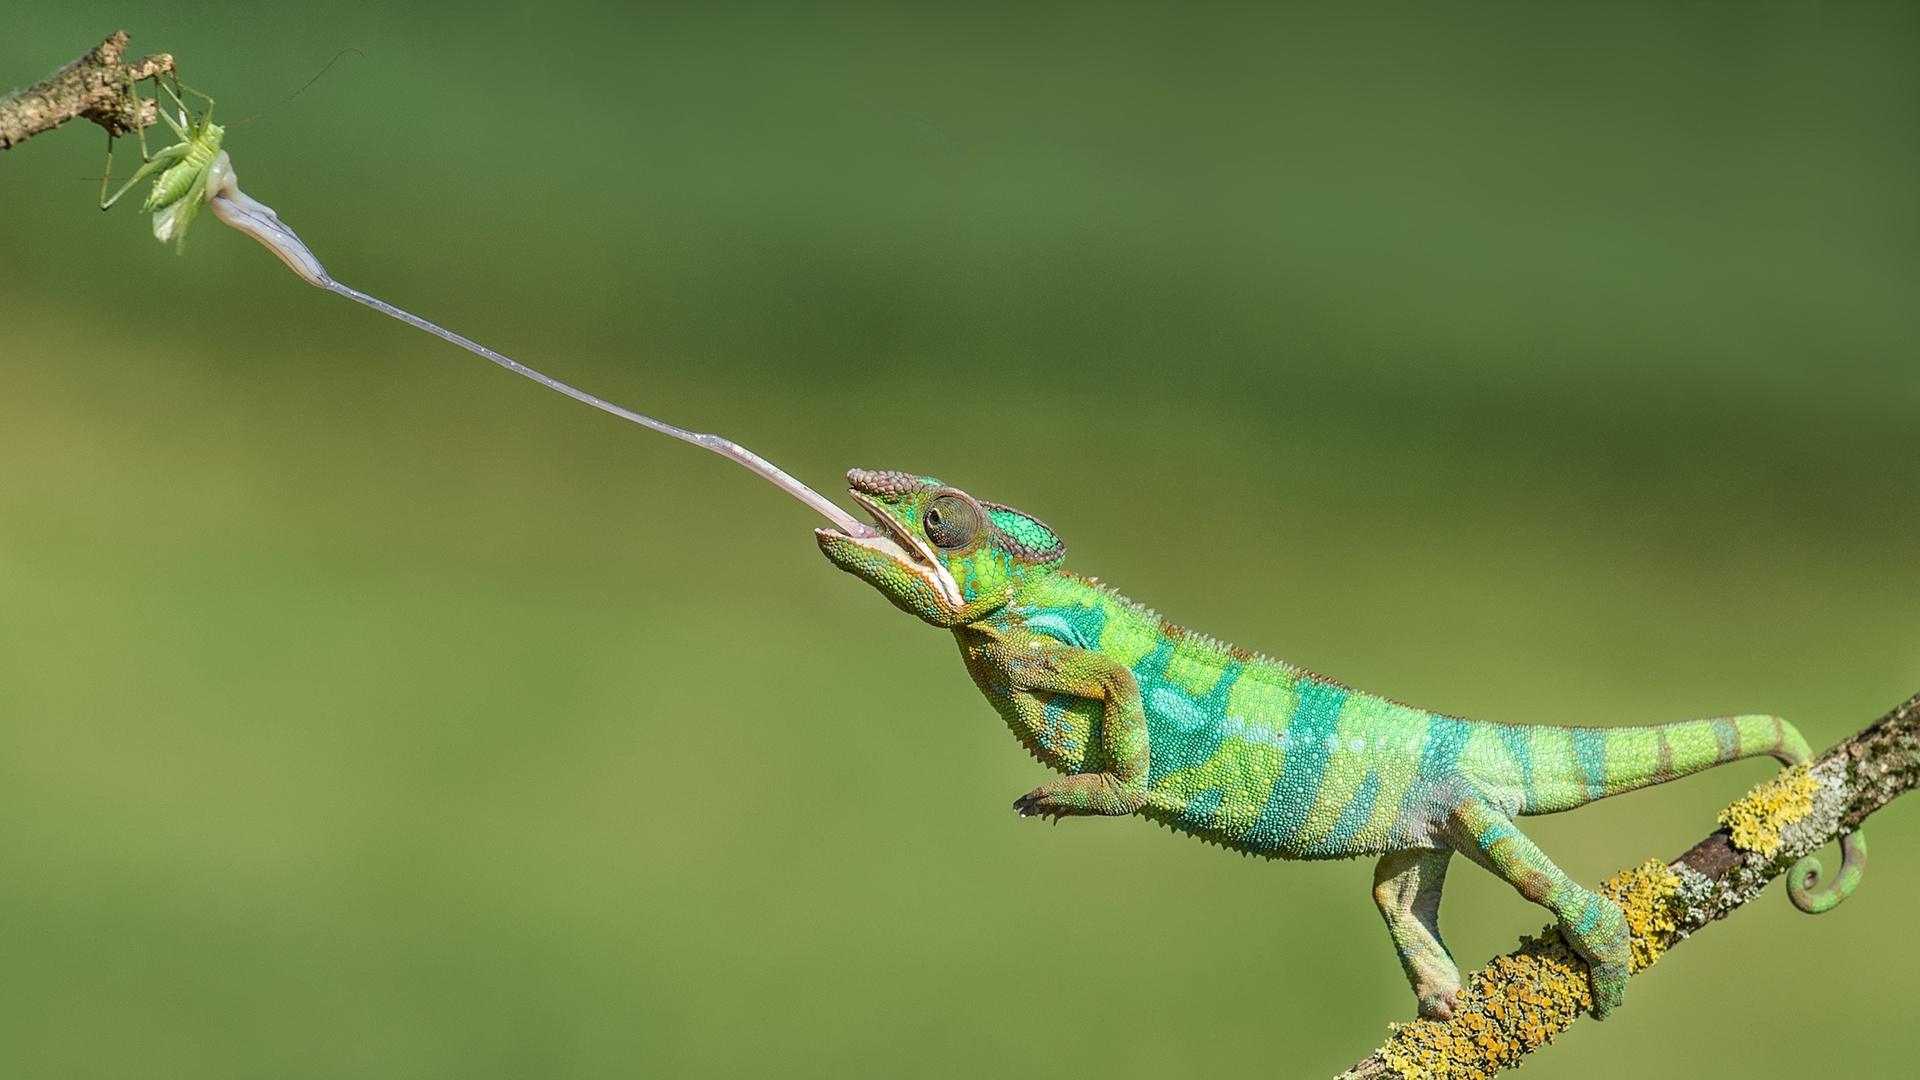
367 711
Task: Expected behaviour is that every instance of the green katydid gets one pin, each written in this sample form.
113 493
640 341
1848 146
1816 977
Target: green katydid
184 168
197 170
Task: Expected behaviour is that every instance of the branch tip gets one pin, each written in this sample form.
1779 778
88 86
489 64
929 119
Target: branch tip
96 86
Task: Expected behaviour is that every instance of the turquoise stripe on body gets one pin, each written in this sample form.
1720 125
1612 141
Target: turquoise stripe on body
1185 731
1519 744
1309 742
1590 761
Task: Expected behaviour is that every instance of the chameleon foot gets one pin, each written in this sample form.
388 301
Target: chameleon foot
1598 932
1086 793
1439 1004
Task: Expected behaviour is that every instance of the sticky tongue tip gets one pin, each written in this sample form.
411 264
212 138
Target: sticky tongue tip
257 219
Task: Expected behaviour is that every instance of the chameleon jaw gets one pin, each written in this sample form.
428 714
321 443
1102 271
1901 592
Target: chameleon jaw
902 547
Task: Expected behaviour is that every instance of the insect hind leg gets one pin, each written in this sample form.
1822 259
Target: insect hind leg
135 110
107 176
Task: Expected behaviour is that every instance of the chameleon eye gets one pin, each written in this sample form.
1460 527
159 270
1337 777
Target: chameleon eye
952 521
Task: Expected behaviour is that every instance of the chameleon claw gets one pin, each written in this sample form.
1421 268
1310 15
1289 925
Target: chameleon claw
1033 804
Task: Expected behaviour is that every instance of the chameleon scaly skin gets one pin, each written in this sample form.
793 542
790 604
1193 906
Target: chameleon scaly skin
1147 718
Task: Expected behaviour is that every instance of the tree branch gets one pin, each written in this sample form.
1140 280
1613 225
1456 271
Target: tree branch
95 86
1521 1001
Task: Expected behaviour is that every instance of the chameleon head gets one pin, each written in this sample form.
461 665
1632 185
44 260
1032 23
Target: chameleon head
941 554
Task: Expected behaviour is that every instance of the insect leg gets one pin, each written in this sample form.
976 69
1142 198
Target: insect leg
139 129
183 126
108 175
133 95
205 118
153 165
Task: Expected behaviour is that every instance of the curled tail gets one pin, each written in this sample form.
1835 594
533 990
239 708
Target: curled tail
1571 767
1806 872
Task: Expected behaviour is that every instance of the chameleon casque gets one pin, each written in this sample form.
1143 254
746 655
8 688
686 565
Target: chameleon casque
1147 718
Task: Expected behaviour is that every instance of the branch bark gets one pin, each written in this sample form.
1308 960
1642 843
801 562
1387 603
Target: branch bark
97 86
1522 1000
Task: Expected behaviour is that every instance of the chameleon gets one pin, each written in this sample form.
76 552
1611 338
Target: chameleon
1145 717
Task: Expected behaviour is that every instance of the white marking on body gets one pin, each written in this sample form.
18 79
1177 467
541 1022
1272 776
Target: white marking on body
1237 727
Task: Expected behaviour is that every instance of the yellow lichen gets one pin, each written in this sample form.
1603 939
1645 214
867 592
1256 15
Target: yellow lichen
1756 820
1645 895
1521 1001
1509 1008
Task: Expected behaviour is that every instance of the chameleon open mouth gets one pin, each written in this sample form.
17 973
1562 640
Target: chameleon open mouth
901 546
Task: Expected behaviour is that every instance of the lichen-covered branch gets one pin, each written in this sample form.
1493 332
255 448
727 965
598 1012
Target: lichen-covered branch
1521 1001
96 86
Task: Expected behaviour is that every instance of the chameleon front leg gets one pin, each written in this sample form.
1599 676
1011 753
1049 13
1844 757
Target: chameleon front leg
1406 886
1592 924
1033 662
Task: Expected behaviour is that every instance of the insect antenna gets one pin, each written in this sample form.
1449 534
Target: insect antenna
337 57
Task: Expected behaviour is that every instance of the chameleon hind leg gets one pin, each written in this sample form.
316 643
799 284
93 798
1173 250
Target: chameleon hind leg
1592 924
1406 886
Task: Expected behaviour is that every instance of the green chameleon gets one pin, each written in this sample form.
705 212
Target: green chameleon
1145 717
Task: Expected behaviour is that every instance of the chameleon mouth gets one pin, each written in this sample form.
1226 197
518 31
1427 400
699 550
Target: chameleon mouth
901 546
